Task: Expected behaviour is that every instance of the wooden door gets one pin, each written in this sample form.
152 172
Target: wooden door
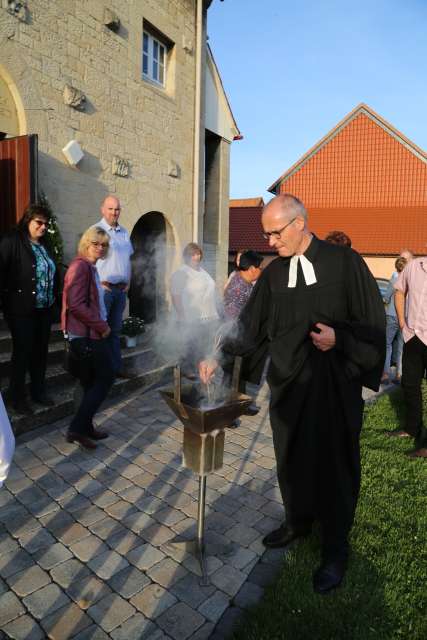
18 178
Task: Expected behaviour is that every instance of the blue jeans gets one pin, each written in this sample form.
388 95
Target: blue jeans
393 329
115 303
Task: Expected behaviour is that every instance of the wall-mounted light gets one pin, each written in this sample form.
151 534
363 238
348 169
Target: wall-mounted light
73 152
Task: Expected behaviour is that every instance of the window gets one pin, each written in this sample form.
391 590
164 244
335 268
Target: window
153 59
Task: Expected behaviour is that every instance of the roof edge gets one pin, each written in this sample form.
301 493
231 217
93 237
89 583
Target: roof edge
360 108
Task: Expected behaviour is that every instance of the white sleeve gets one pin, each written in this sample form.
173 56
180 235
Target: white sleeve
7 443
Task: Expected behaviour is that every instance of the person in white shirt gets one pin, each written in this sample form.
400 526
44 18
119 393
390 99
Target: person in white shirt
115 272
194 298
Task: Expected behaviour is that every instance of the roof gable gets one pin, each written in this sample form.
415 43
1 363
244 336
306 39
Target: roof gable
363 161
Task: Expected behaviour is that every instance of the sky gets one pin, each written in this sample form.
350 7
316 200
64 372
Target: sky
293 69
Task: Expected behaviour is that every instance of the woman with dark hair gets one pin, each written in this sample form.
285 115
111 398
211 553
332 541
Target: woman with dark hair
84 321
28 290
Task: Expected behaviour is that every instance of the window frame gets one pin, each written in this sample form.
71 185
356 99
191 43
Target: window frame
155 66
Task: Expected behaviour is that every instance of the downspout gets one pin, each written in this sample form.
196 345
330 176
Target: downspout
197 116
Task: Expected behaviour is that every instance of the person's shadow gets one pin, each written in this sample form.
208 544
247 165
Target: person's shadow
355 611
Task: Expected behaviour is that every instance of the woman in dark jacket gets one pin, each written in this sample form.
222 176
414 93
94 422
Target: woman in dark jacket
28 289
84 317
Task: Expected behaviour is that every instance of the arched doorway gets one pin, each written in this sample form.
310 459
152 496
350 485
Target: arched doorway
153 245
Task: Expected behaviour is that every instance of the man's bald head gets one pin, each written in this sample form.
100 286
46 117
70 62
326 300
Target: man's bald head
284 221
110 210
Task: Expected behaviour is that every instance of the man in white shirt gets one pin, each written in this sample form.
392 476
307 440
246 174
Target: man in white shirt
115 272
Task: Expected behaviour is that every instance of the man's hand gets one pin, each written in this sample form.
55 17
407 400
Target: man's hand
325 339
106 286
106 333
207 369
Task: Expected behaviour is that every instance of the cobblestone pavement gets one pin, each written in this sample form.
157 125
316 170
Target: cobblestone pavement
85 538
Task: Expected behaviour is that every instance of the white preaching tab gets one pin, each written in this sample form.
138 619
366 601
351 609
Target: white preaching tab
307 269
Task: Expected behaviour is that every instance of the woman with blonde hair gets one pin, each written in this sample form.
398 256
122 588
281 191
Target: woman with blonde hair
84 322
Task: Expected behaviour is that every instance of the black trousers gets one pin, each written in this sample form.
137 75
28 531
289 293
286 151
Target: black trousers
96 385
414 365
30 342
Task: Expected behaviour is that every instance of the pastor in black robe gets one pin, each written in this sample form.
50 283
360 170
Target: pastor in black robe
316 405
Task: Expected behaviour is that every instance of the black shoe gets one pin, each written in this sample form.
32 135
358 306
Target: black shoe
45 401
252 410
22 406
282 536
84 441
97 434
236 423
329 575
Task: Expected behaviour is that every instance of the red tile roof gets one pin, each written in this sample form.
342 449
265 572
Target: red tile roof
366 179
247 202
245 227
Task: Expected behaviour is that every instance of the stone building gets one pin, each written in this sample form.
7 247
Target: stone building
133 88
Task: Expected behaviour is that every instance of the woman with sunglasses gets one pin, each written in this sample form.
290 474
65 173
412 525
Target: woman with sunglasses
29 289
84 316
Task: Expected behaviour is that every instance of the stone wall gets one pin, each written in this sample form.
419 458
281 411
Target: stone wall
64 42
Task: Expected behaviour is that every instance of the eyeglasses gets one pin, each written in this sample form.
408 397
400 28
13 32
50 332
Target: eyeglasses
104 245
40 223
276 234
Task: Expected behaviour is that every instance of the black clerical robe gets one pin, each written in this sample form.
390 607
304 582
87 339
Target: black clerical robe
316 404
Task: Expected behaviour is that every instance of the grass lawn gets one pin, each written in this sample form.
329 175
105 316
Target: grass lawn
384 592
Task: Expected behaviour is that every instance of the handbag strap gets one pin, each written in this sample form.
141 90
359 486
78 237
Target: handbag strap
87 304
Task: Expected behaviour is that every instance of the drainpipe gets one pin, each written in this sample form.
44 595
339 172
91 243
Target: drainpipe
197 116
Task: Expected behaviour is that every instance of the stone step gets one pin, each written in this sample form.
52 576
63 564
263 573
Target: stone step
64 398
56 353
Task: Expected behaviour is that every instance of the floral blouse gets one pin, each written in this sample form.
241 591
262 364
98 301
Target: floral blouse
45 273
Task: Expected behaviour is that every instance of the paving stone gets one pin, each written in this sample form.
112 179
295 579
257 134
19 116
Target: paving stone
180 621
7 543
111 611
242 534
14 561
24 628
120 509
45 601
129 581
87 486
36 540
157 534
166 572
74 533
137 628
228 579
50 557
89 515
87 591
205 632
104 498
145 556
28 580
10 608
191 562
228 623
43 507
21 524
153 601
239 558
123 541
65 622
106 564
57 523
138 521
249 595
248 516
88 548
214 607
65 573
263 574
92 633
189 590
274 556
3 586
106 527
169 516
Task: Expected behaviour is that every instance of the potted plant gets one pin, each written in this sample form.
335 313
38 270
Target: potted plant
132 327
